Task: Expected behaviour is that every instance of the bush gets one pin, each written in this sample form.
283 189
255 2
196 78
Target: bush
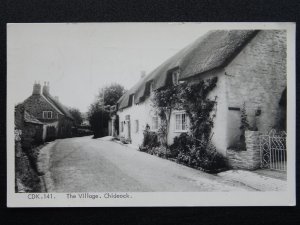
181 143
199 154
151 144
150 139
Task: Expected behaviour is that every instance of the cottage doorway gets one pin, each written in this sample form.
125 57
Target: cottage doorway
128 127
129 130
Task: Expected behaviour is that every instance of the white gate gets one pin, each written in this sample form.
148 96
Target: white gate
273 150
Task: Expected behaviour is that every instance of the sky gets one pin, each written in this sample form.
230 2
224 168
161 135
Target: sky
77 59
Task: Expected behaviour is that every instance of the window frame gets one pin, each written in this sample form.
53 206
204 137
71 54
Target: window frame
151 87
152 123
175 77
181 122
136 123
47 113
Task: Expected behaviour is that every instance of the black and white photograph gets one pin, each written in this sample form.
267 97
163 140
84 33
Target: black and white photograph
150 114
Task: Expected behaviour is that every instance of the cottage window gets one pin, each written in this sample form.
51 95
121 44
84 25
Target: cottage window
180 122
136 126
47 115
154 122
175 77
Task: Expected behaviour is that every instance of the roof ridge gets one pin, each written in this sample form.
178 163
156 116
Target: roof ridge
209 51
59 105
52 104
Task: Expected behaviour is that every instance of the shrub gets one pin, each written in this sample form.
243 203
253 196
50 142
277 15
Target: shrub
180 144
159 151
150 139
199 154
151 144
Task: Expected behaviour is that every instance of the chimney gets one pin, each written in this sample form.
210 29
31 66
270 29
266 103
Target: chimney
46 88
143 73
36 88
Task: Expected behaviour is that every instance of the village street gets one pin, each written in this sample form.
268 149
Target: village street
100 165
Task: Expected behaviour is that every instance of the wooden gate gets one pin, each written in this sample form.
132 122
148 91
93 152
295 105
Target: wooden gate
273 150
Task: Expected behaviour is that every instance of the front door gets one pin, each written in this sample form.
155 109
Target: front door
128 136
129 130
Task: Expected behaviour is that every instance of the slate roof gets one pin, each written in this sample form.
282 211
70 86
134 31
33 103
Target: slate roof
211 51
28 118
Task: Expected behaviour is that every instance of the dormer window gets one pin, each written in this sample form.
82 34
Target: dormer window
47 115
175 77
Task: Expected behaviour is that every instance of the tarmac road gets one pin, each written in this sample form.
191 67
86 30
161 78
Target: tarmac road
100 165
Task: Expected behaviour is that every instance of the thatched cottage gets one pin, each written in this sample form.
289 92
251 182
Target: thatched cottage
251 70
50 111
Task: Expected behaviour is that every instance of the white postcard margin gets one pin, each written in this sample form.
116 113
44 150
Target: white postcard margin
284 198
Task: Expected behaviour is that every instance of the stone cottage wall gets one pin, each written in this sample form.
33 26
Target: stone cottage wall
249 159
36 104
257 77
26 178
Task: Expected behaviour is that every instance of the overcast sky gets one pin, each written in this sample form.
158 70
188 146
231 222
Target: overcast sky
78 59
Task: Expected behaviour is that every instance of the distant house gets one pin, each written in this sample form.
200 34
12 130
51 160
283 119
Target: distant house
31 129
48 110
251 69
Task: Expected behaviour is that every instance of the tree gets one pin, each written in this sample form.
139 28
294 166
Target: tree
76 115
99 114
164 101
98 118
109 95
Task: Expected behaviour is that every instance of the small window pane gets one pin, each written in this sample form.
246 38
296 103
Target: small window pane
180 122
154 123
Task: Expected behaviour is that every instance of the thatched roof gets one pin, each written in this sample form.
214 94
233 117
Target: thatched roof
213 50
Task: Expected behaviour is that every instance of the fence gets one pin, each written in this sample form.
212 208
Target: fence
273 150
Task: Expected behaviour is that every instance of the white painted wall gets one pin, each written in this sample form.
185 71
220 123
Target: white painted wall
142 112
219 138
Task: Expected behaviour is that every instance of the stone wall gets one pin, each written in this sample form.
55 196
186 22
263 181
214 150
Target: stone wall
257 77
249 159
26 178
36 104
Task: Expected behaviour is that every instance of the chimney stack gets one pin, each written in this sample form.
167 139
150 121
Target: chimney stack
46 88
143 73
36 88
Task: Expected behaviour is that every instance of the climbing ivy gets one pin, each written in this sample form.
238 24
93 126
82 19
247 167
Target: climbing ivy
195 148
200 109
193 98
165 101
